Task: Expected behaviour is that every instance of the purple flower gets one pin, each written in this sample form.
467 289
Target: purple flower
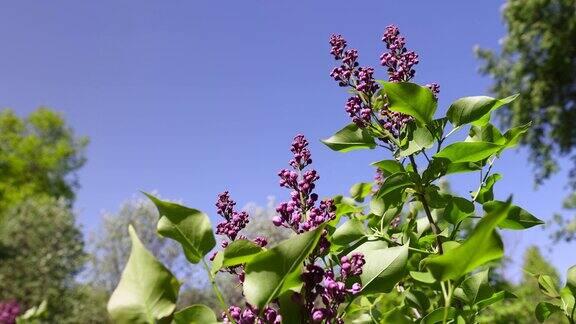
261 241
9 310
398 59
250 315
435 88
300 213
323 293
338 44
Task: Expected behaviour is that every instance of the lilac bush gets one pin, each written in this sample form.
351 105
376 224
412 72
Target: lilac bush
400 232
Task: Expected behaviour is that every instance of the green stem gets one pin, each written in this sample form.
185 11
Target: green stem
217 291
448 300
420 192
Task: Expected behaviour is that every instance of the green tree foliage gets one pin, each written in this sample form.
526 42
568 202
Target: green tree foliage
537 61
521 309
39 155
564 228
44 252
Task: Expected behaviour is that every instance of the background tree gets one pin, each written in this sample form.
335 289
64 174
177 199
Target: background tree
109 246
564 228
39 155
537 61
521 309
44 252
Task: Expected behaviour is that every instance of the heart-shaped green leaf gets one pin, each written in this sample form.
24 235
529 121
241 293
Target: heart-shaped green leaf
272 272
383 268
190 227
147 291
350 138
195 314
475 109
517 218
236 253
410 99
544 310
468 151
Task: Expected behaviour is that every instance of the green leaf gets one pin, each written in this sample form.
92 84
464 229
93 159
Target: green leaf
33 315
236 253
393 183
423 277
475 109
348 232
147 291
482 246
544 310
487 133
190 227
417 299
468 151
513 135
486 192
437 315
496 297
458 209
568 301
517 218
195 314
414 139
361 190
474 288
548 286
410 99
274 271
383 268
350 138
389 167
290 310
571 279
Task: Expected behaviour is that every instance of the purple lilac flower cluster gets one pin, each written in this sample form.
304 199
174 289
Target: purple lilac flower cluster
9 310
323 292
233 223
250 315
398 59
400 67
300 213
435 88
359 78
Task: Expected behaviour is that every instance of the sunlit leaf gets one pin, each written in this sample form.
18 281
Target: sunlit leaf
475 109
147 291
410 99
274 271
195 314
482 246
350 138
190 227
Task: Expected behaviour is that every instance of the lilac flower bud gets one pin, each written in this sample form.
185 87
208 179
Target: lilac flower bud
318 315
9 310
338 44
435 88
356 288
261 241
398 59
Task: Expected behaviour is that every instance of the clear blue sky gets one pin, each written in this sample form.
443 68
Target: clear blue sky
193 97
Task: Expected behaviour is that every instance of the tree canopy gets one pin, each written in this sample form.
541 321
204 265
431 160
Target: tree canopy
538 60
39 155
